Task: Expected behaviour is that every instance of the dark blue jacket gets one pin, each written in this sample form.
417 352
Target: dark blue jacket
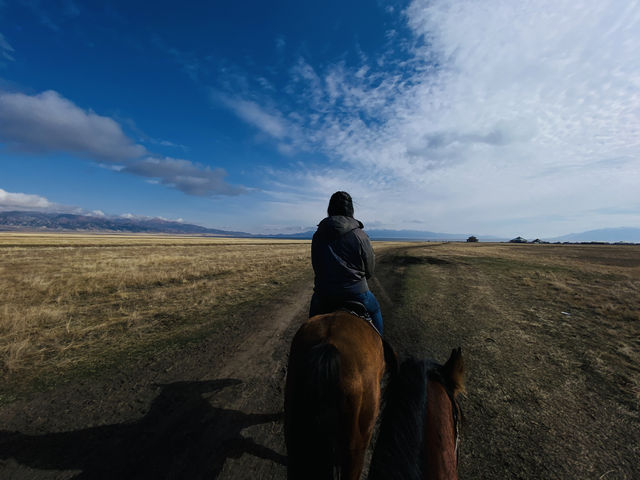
342 257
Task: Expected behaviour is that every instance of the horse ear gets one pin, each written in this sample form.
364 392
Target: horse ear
454 370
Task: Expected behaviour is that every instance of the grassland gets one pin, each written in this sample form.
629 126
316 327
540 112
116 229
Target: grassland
76 302
551 338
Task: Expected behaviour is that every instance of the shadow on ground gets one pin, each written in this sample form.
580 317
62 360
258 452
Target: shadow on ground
182 436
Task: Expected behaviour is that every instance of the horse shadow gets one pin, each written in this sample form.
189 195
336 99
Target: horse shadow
182 436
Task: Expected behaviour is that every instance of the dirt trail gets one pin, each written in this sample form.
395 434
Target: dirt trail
260 363
210 410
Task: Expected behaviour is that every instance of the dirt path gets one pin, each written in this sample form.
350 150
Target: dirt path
261 363
210 410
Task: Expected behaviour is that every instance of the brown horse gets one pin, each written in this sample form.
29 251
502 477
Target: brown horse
332 396
419 432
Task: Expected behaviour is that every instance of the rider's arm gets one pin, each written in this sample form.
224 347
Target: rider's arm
366 252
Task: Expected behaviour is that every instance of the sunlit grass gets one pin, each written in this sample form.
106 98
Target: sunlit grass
66 300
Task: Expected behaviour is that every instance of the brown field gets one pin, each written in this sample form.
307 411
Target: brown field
551 338
173 350
70 301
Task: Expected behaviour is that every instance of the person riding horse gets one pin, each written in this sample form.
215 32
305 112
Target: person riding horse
343 260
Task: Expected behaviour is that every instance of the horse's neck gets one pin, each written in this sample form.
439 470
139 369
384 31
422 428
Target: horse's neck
439 435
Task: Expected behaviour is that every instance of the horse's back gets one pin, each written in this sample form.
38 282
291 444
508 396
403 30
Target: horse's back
342 329
355 347
360 346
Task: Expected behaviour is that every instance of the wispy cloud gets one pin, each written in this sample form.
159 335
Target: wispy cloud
186 176
504 111
270 123
6 50
48 122
167 143
52 15
142 137
41 14
189 62
70 9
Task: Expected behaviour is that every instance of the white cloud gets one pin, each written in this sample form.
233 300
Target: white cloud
23 201
270 123
167 143
508 114
48 122
36 203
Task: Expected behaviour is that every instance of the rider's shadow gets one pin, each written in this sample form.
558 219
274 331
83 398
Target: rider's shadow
182 436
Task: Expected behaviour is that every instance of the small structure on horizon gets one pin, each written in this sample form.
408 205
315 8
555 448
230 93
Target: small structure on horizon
472 238
518 240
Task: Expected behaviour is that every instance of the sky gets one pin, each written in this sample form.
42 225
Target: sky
485 117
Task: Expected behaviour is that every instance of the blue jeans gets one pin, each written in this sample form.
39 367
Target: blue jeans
323 304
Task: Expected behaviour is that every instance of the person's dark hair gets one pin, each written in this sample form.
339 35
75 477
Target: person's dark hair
340 204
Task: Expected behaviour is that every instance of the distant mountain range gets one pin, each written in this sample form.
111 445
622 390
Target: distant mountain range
410 235
610 235
67 222
64 222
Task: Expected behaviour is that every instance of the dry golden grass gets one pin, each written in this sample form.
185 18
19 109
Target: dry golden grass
67 300
604 279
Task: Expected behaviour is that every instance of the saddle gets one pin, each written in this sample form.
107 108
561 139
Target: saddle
359 310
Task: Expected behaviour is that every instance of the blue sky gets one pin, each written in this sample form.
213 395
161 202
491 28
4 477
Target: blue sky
462 116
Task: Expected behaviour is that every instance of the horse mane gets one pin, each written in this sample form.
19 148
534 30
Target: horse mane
315 415
398 452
